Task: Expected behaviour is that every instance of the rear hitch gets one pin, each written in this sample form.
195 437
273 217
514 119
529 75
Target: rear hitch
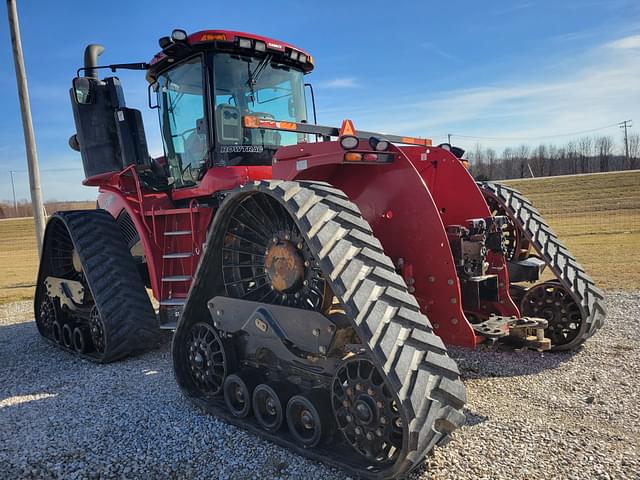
527 331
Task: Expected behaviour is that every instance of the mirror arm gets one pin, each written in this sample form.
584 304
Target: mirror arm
116 66
313 102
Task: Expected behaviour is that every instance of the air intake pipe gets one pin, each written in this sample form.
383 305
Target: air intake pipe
91 54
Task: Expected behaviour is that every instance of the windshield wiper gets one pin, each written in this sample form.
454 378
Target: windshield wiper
255 75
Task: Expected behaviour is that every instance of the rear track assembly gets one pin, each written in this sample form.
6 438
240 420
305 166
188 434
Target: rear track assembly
586 315
89 298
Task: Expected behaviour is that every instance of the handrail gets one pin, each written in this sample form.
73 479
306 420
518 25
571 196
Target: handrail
250 121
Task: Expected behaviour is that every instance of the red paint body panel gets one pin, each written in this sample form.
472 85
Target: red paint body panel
397 200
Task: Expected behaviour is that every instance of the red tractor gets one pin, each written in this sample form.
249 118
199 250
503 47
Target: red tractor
312 274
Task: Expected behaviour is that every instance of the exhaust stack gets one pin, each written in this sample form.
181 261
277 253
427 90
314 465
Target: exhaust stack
91 54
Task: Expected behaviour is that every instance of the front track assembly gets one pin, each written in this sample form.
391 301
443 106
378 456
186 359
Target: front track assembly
360 382
89 298
572 304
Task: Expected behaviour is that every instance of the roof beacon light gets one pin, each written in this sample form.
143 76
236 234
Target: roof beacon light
294 55
302 58
260 46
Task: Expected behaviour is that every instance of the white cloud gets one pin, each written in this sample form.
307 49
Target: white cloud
340 82
598 88
630 42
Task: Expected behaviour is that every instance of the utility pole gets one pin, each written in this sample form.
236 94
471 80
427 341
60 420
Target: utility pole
27 124
626 140
449 137
13 188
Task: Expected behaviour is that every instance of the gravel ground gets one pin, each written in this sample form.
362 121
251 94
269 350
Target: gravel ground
529 415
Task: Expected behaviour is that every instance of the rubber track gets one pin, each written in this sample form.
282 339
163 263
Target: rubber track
130 324
562 263
385 316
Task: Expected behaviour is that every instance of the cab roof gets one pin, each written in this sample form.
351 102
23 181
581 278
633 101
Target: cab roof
228 40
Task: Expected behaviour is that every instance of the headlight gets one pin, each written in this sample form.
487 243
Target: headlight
378 145
349 142
179 35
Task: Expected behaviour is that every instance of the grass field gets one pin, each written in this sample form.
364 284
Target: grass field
596 216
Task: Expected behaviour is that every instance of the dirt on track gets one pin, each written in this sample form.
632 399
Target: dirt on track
530 415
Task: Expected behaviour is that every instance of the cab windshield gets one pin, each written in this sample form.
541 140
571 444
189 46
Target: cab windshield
259 87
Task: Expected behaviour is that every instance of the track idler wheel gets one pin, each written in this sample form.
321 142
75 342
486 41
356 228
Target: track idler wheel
366 412
96 328
206 359
56 332
238 390
47 315
308 418
551 301
268 405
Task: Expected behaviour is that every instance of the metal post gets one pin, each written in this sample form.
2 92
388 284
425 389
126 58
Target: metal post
449 137
27 124
626 140
13 187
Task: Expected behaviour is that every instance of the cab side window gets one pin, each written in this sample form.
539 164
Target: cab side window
181 94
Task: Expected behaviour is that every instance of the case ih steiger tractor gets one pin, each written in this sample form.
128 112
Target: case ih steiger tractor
312 275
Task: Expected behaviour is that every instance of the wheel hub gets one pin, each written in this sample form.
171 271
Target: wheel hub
284 265
306 419
364 410
270 406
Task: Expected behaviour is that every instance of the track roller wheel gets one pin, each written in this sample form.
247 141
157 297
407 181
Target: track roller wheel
56 332
67 335
365 411
237 394
551 301
307 418
81 339
268 405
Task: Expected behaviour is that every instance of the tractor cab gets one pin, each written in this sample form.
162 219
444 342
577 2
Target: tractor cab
208 88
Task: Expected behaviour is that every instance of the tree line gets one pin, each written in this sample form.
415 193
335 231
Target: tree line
23 207
588 154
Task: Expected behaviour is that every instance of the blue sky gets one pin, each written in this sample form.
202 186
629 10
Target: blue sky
509 70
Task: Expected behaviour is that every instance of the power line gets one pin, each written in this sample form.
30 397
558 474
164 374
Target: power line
542 137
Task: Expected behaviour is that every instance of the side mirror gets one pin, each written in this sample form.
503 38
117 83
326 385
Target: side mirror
83 90
153 87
